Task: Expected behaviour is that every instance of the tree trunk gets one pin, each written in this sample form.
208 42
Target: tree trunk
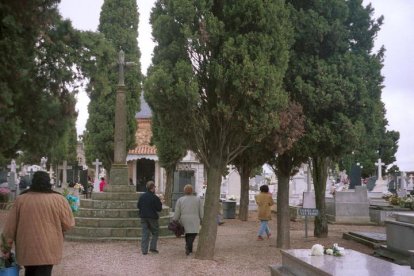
320 172
169 186
244 194
208 233
283 214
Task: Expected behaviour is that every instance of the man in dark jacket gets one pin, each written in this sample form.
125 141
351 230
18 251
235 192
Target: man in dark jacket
149 205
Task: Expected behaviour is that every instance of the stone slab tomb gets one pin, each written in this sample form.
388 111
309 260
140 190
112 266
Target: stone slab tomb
299 262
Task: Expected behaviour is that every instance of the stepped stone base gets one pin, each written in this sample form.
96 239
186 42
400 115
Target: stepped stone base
112 215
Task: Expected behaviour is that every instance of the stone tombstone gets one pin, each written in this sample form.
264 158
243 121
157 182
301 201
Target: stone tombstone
3 178
355 176
403 181
12 181
399 238
309 200
297 186
371 183
410 185
351 206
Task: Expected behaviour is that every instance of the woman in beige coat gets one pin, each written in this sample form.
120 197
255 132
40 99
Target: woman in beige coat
264 202
189 211
36 224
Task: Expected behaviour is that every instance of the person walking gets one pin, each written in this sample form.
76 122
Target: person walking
264 202
149 205
189 212
36 223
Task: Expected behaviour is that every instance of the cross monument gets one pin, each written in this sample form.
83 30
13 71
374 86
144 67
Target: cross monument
379 164
96 181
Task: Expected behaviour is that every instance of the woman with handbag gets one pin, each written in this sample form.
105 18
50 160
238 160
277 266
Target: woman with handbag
189 212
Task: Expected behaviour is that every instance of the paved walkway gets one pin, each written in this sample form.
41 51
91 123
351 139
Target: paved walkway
237 252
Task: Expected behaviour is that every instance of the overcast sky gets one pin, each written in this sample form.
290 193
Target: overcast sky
396 35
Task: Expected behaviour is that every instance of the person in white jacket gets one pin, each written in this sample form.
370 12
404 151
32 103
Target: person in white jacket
189 212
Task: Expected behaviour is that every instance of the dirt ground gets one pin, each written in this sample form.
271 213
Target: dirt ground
237 252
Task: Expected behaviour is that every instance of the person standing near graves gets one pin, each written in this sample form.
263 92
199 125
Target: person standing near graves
189 212
36 223
149 204
102 184
264 202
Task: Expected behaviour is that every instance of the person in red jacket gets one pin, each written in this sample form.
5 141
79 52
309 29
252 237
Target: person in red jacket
102 184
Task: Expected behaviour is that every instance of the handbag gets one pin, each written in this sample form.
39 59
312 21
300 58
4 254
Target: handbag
176 227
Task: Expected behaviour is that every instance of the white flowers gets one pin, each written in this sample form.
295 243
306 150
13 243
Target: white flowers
335 250
339 251
317 250
78 186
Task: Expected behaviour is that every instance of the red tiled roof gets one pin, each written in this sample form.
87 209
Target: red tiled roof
143 150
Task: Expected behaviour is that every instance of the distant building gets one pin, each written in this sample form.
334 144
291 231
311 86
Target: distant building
143 162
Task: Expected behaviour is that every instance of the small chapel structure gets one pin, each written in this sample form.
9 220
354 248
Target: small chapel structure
144 165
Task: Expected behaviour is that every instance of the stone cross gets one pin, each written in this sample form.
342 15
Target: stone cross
121 65
379 164
120 114
12 166
51 175
97 164
64 167
43 161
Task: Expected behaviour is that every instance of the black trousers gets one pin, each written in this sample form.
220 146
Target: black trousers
189 240
38 270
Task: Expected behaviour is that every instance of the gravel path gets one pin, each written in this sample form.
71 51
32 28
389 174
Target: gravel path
237 252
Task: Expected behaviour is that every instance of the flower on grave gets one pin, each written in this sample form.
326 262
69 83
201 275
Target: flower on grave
317 250
7 257
335 250
4 194
79 187
408 199
72 199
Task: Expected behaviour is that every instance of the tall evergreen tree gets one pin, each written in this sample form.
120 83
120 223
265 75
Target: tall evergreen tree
38 51
119 26
336 77
170 150
217 73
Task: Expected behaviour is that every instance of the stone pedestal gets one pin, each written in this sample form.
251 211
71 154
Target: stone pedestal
381 186
119 174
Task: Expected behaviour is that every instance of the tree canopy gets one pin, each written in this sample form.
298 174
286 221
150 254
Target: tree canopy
217 74
337 79
38 52
118 29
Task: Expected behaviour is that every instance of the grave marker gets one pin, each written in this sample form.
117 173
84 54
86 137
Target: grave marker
379 164
96 181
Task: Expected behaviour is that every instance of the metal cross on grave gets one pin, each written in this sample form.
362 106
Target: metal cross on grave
379 164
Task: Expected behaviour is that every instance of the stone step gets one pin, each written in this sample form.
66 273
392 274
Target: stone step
114 213
114 222
115 196
109 232
120 188
108 204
